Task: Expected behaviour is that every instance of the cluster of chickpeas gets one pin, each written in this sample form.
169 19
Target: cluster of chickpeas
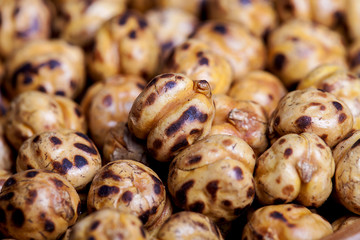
175 119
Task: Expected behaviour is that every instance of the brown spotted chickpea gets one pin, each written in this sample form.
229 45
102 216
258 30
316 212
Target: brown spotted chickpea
195 59
131 187
34 112
295 167
244 119
108 224
37 204
67 152
53 67
78 21
346 155
258 16
171 26
189 225
120 143
311 110
261 87
297 47
23 21
172 113
338 81
108 102
330 13
125 44
214 177
286 221
242 50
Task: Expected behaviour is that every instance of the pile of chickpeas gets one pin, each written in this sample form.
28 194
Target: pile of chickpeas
175 119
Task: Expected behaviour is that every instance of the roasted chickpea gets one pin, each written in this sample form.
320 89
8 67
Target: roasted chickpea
35 112
258 16
297 47
67 152
346 156
330 13
108 224
23 21
37 204
338 81
242 50
171 27
312 110
109 102
196 60
54 67
244 119
78 21
261 87
295 167
125 44
189 225
172 112
286 221
214 177
131 187
120 143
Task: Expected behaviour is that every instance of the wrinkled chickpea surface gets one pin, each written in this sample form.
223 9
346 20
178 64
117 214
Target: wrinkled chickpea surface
175 119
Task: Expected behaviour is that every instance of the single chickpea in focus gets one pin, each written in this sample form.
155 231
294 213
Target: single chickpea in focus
214 177
311 110
131 187
296 167
42 204
172 113
69 153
